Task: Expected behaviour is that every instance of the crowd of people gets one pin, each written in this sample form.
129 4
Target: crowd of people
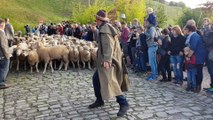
172 49
65 28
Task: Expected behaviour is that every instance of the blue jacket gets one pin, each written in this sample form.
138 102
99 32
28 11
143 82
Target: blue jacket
197 45
152 19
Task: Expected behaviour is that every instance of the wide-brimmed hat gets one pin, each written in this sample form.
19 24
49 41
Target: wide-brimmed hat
102 15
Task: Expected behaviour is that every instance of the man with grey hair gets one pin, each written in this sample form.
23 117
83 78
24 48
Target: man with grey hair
191 22
199 49
4 56
9 32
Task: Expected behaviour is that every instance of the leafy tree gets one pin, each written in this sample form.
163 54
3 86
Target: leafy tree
172 3
132 9
181 4
207 8
188 14
84 13
161 1
161 16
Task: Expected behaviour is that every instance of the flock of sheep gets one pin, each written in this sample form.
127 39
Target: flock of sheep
50 49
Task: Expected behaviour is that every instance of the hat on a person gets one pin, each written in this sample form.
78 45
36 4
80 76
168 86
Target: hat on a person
102 15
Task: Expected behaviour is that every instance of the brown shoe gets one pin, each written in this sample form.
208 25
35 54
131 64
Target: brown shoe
4 86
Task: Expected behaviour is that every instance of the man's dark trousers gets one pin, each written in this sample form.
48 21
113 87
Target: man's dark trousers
96 84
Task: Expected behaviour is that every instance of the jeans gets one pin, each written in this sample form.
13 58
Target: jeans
133 52
152 61
121 99
191 77
141 61
125 48
199 76
177 65
130 52
210 70
164 66
4 68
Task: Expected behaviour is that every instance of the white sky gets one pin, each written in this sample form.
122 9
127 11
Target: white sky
191 3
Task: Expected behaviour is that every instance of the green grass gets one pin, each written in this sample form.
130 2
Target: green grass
22 12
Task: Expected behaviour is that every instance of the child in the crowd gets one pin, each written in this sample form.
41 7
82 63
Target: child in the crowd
191 69
152 17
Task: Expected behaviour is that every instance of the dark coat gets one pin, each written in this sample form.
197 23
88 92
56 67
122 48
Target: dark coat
177 44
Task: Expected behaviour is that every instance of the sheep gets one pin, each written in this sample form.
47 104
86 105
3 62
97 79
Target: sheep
74 56
21 54
47 54
85 56
72 50
33 59
94 55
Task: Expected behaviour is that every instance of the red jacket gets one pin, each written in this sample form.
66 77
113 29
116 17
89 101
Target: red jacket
192 60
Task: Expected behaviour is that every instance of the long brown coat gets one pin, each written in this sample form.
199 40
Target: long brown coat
111 80
4 48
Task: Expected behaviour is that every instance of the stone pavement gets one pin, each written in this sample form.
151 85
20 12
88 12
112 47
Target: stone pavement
66 95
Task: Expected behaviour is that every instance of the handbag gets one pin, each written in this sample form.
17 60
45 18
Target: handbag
161 51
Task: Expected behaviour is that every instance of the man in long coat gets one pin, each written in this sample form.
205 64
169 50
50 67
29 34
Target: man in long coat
9 32
4 56
108 80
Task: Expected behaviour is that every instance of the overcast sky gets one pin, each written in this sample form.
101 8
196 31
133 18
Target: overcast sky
191 3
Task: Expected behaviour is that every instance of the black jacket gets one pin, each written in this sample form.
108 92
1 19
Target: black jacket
133 40
166 42
144 46
164 48
177 44
77 33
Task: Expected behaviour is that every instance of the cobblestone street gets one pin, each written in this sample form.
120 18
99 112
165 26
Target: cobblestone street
66 95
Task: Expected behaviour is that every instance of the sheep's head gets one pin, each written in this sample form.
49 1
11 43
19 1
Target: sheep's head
22 49
18 52
67 44
32 45
86 48
39 45
25 53
80 48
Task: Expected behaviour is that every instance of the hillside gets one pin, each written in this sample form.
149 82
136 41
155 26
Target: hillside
173 13
22 12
